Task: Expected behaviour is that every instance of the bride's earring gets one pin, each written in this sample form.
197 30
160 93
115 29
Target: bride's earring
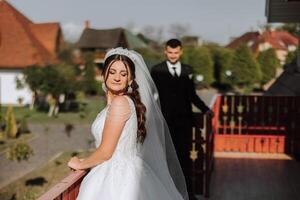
104 88
129 89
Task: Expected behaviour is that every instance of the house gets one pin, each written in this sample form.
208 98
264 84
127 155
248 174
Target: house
101 40
287 84
23 43
286 11
281 41
153 44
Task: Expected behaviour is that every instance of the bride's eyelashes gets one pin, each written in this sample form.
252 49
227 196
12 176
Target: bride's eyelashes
112 72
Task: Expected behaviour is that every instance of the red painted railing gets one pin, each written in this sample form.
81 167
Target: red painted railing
265 124
67 189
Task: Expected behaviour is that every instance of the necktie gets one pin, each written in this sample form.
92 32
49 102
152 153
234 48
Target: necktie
175 73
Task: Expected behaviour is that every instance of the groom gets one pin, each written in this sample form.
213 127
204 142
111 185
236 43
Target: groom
177 93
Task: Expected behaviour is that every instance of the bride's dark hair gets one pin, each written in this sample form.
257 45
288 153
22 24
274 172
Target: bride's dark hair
134 95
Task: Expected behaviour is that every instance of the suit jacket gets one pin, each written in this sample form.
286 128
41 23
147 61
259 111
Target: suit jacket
176 94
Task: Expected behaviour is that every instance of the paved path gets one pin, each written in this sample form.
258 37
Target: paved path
46 146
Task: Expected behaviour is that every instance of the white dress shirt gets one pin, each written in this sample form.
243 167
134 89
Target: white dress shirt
177 66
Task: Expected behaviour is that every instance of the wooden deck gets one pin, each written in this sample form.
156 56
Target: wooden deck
255 179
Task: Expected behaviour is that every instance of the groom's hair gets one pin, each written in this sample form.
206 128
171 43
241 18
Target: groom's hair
173 43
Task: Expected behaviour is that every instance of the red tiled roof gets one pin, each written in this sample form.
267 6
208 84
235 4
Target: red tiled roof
47 34
243 39
284 36
23 43
277 39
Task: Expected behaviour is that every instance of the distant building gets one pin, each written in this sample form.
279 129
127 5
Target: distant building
155 45
281 41
22 44
191 41
287 84
285 11
100 41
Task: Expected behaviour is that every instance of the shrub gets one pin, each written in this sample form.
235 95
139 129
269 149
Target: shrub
20 151
23 128
11 124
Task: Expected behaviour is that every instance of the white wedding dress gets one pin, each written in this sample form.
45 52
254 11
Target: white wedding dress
125 176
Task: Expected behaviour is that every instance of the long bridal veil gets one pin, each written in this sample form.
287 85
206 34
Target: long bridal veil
157 151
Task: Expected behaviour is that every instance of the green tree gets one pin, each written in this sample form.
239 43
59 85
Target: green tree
89 83
65 55
222 58
201 61
246 71
291 57
53 82
150 56
59 79
55 79
34 78
68 76
268 64
11 124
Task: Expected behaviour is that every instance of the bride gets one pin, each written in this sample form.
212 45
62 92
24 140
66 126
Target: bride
134 157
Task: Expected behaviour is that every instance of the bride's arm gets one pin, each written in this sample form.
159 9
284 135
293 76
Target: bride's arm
117 115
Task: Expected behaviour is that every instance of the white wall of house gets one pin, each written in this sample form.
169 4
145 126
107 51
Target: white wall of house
9 94
281 55
264 46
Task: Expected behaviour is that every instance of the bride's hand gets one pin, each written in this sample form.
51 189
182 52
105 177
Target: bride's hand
74 163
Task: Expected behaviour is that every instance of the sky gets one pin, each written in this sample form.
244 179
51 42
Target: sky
212 20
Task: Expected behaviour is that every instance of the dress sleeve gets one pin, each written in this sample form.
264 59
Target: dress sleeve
117 115
119 110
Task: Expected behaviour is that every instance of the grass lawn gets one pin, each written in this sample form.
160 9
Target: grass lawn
34 184
94 106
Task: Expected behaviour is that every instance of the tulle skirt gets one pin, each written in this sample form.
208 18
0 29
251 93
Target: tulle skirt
124 179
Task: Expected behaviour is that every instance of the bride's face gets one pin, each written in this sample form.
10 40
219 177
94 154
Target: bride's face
118 77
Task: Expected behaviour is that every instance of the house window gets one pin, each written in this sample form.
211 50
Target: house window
264 46
292 48
250 43
281 43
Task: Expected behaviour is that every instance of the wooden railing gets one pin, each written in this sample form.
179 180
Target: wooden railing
202 153
201 157
241 123
67 189
265 124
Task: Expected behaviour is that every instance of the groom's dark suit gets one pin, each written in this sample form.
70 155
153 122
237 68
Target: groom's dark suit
177 94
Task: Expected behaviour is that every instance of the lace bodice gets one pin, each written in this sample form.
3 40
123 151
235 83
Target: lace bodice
127 143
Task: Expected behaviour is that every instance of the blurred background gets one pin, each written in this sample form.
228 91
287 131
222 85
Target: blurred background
51 59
